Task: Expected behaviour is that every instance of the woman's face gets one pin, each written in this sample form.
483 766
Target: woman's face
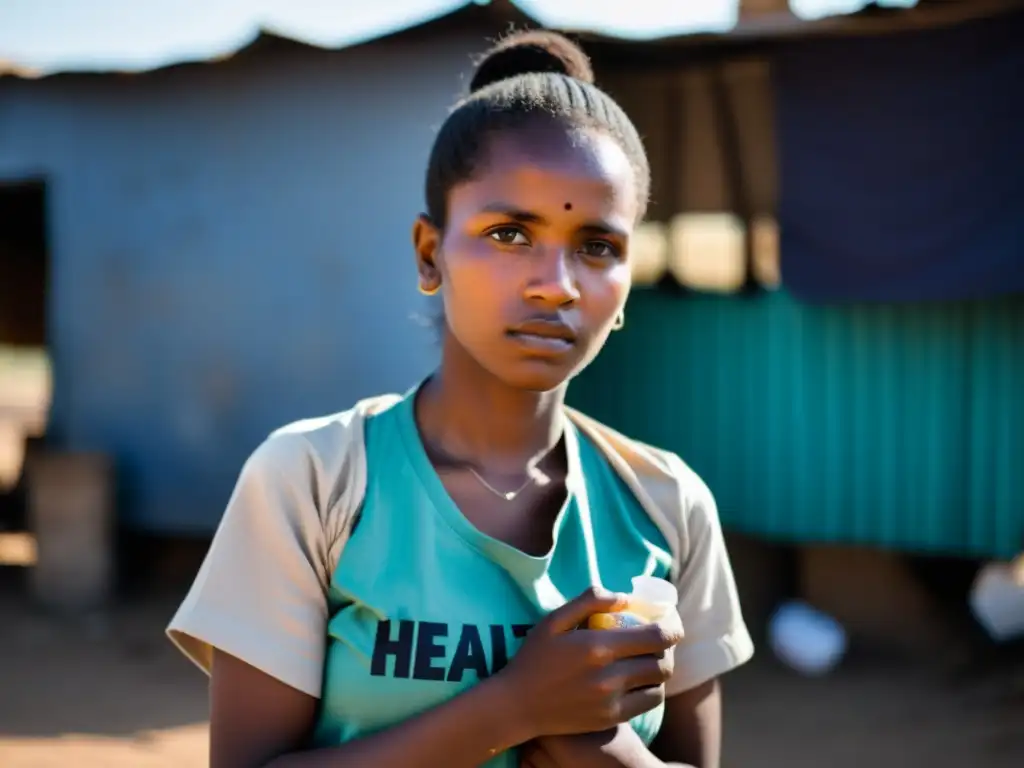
532 264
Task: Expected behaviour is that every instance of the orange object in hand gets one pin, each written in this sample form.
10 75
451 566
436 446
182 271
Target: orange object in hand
622 620
650 601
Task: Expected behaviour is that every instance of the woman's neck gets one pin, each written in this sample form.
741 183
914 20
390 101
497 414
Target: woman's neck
471 415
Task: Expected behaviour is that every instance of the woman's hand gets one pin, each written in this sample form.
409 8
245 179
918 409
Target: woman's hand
564 681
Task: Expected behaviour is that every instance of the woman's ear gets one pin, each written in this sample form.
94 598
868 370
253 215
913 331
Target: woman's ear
426 240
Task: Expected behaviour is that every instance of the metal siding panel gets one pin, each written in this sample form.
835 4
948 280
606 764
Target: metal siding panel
996 427
231 252
895 426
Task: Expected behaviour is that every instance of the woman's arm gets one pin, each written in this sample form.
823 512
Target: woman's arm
690 737
691 732
257 721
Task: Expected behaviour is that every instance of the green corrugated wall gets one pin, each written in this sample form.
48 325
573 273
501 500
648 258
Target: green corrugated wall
900 426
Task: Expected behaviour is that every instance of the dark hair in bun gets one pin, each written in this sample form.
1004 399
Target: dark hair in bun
534 52
524 78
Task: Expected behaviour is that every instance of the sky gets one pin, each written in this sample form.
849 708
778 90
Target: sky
50 35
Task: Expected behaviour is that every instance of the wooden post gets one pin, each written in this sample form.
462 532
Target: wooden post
750 8
71 513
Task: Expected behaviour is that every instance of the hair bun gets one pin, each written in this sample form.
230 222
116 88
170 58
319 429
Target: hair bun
531 52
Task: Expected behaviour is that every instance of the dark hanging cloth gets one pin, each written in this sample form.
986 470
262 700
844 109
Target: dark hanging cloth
902 164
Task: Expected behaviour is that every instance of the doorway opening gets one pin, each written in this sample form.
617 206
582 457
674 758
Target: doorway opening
25 368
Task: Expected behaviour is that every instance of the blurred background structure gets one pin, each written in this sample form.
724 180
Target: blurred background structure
828 323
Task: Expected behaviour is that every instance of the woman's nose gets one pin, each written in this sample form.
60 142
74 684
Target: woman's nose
554 281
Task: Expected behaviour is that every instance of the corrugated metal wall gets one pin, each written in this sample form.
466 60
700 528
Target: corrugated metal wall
231 251
899 426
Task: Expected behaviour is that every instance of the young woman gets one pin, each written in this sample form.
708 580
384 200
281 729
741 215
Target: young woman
492 520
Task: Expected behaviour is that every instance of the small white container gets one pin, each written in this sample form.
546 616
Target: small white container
997 599
653 598
652 601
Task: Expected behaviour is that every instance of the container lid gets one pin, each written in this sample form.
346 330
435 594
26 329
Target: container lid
655 591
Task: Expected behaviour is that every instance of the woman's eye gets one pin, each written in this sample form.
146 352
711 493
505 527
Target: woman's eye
599 249
508 236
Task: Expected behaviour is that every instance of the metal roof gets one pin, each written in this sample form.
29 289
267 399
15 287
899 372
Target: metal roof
648 22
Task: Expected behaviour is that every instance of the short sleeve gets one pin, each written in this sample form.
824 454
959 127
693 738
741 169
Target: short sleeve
716 638
261 593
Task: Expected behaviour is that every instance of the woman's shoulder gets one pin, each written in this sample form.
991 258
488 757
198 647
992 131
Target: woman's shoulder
672 493
323 439
653 466
321 459
319 428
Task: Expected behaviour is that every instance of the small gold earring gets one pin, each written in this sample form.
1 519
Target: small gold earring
428 291
620 321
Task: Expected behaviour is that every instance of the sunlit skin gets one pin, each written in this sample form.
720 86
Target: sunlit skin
542 234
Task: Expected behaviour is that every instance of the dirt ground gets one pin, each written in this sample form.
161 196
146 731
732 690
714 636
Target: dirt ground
114 693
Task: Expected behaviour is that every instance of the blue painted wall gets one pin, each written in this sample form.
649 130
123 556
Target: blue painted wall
230 250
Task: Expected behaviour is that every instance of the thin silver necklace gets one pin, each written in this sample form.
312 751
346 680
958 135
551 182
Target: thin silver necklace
506 495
